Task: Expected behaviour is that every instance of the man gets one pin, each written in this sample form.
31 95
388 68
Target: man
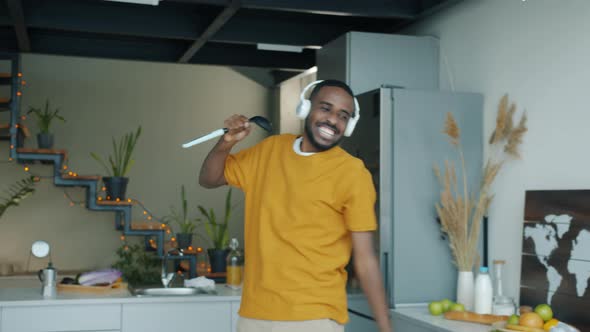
308 204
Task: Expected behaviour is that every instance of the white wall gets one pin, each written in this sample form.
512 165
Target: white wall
105 98
538 52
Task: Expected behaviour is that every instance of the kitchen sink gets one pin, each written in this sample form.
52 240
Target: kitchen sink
172 291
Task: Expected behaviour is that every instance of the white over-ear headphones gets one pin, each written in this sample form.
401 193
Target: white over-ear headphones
304 107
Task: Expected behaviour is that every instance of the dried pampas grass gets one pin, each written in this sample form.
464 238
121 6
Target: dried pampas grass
460 212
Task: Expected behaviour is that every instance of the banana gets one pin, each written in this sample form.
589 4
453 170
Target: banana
523 328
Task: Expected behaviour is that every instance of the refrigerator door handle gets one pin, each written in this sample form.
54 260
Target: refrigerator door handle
385 267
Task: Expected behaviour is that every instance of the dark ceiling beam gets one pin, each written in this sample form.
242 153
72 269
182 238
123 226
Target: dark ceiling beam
219 21
15 10
247 55
142 49
187 22
169 21
365 8
7 40
427 8
175 21
4 18
105 46
269 30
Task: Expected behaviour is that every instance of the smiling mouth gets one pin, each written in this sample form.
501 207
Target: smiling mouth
327 131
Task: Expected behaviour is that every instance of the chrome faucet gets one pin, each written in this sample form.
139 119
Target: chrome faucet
168 277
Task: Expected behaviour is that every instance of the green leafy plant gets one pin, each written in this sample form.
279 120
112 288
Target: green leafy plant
138 266
187 225
120 161
17 192
218 232
45 117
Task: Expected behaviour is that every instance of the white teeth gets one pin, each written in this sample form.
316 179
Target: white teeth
324 131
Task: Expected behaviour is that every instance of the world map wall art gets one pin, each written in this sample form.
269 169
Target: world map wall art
556 254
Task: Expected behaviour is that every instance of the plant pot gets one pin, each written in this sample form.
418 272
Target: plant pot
184 240
217 259
465 286
116 186
45 140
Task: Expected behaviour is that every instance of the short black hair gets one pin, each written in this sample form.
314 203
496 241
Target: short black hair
335 83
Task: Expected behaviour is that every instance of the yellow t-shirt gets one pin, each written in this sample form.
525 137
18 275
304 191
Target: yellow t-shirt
299 212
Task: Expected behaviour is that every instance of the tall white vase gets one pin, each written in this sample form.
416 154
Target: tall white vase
465 286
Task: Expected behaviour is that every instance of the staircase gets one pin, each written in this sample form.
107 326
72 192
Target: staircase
16 133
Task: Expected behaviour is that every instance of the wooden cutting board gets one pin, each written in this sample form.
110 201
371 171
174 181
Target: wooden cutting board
118 287
472 317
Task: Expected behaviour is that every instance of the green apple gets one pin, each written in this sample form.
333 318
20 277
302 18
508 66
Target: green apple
544 310
446 303
457 307
435 308
513 319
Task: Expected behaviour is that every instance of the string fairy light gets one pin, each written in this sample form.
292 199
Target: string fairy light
146 213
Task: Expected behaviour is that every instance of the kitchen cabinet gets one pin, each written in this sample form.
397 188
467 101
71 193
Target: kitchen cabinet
358 323
62 318
176 316
367 60
235 307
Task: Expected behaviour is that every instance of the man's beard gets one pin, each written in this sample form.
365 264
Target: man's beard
317 145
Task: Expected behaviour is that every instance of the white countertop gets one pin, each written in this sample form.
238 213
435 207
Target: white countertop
420 315
12 297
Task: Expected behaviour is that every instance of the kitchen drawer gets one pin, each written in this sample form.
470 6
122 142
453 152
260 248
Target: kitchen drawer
158 317
63 318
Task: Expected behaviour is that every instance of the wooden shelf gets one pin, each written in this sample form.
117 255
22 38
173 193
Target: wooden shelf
41 151
5 79
146 226
81 177
113 203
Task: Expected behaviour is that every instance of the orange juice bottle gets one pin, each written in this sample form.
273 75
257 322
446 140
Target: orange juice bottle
235 266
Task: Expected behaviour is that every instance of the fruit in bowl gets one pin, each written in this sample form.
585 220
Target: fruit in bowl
545 311
513 319
531 319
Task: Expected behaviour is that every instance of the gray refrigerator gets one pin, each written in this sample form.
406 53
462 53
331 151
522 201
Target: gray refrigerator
400 139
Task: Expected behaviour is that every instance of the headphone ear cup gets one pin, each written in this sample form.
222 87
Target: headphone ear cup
303 108
350 126
352 121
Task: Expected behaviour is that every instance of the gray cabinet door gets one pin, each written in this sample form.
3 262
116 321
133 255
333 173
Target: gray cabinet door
366 61
360 324
423 268
157 317
71 318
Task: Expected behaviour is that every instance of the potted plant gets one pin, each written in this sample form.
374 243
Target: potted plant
460 211
16 193
44 119
138 267
118 165
184 236
218 235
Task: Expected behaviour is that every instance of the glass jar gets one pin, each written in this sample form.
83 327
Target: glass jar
502 305
235 266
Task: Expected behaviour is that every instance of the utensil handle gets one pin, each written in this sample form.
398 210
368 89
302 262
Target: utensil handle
211 135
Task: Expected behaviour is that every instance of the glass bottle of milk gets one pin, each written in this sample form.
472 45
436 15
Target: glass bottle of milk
483 292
